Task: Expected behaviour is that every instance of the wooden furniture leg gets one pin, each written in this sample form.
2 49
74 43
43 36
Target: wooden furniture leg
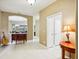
63 54
69 55
65 46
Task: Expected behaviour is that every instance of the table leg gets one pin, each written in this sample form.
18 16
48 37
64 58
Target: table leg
69 55
63 53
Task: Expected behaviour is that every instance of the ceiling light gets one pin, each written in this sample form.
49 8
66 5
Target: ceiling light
31 2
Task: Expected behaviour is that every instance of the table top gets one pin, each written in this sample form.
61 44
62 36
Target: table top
68 45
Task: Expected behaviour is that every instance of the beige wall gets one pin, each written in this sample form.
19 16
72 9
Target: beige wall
5 21
67 7
0 22
30 28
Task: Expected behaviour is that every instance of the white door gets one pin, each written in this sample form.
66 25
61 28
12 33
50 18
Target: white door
50 31
54 29
57 21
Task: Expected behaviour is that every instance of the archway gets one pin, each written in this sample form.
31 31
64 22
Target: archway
17 24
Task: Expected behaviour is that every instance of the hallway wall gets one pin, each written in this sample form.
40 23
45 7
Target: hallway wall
67 7
0 22
30 28
4 23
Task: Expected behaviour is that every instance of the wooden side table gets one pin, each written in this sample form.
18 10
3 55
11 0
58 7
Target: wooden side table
67 47
19 37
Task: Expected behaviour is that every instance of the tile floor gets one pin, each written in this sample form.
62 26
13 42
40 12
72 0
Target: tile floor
30 50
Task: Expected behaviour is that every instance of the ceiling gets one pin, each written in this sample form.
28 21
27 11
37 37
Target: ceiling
18 20
23 7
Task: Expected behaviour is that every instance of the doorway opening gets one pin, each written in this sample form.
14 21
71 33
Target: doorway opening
17 25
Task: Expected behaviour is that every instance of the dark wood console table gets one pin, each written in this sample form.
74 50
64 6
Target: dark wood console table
19 37
67 47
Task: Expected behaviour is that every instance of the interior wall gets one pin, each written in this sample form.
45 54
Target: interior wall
4 23
0 22
67 7
30 28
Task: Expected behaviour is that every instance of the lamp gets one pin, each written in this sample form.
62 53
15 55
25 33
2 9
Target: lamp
31 2
67 28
